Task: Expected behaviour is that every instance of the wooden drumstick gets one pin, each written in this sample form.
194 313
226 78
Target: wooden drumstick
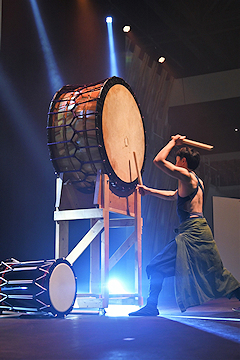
138 172
197 144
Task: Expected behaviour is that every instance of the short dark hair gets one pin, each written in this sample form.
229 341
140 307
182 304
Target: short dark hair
191 155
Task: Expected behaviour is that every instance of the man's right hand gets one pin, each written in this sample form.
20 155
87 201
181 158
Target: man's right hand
143 190
178 139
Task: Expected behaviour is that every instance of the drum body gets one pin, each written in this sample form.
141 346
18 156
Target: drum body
37 286
97 127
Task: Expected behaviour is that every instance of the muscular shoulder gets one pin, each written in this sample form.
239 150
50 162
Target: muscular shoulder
195 178
187 187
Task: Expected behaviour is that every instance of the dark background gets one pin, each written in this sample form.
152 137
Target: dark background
198 37
77 33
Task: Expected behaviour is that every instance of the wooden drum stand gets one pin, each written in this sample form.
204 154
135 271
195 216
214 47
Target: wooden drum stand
97 238
89 127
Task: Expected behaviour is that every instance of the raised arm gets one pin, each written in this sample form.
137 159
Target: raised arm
169 168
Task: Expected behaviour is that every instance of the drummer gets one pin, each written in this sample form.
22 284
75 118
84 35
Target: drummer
192 257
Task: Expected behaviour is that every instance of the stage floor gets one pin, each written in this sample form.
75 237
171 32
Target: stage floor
210 331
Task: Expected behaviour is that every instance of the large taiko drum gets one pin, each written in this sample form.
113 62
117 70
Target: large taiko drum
37 286
97 127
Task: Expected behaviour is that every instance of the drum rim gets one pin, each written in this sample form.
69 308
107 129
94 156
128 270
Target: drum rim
114 180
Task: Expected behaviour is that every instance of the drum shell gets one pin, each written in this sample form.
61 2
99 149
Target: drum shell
73 143
75 136
25 286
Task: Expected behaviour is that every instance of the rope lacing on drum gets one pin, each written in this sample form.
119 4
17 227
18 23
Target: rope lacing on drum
76 103
45 306
2 297
7 267
4 282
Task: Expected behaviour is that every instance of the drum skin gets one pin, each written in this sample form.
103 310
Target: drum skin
45 286
97 128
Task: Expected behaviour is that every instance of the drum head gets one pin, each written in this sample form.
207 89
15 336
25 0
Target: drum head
62 288
122 134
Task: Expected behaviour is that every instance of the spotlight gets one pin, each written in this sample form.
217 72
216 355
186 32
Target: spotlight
115 287
126 28
161 59
112 54
109 19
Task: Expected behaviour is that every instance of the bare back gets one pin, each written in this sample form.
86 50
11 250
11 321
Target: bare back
185 189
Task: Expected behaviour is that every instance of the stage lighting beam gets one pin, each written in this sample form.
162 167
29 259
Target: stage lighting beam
21 122
53 73
113 61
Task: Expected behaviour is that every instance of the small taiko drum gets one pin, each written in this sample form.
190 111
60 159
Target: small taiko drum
95 128
37 286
